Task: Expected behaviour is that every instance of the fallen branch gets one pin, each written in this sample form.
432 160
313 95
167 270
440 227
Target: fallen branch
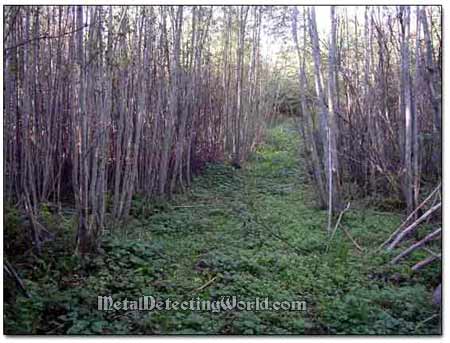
419 265
207 284
190 206
412 227
426 320
352 240
417 245
409 217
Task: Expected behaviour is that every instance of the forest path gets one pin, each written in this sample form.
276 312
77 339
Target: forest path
250 232
255 232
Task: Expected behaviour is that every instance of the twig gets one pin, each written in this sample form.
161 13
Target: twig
426 262
352 240
207 284
417 245
45 36
337 225
426 320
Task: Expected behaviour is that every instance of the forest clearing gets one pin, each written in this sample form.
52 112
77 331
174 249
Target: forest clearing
200 153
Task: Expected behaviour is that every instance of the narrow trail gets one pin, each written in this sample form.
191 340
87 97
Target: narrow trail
255 232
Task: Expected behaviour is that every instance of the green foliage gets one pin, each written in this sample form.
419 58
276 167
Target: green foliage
257 233
14 234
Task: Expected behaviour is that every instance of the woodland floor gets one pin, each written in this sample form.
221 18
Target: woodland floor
254 230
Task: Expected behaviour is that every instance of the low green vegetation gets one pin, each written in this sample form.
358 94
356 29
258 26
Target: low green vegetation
250 232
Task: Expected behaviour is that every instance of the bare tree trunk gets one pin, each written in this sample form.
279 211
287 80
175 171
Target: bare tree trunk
309 139
83 239
173 101
325 134
243 12
415 118
332 107
432 80
404 14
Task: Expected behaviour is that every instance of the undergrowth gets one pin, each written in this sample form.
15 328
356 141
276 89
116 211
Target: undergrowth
255 232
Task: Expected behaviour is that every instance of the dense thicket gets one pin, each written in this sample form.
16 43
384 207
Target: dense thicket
109 111
102 103
370 100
